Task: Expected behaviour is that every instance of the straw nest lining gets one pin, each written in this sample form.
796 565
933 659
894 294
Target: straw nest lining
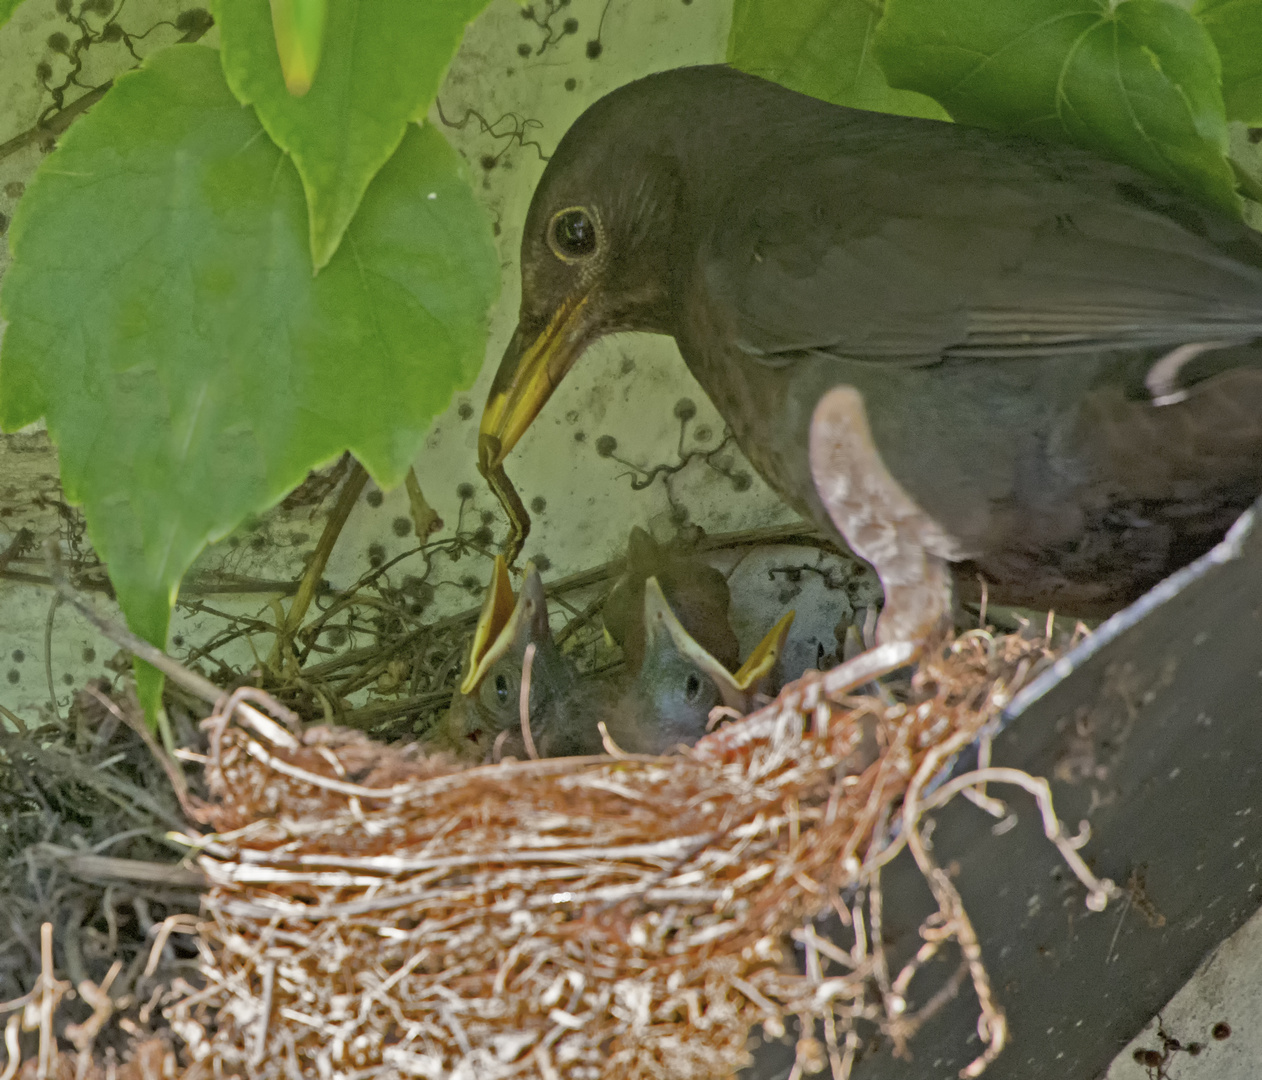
380 913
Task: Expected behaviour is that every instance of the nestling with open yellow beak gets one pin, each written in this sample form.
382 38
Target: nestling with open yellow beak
487 706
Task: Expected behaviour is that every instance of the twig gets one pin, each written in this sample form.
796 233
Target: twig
523 702
79 864
314 573
12 1046
84 1035
260 1032
48 655
50 992
57 124
174 774
14 719
17 545
992 1026
195 684
1099 890
183 923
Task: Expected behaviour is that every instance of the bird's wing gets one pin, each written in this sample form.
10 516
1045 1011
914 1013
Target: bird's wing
974 247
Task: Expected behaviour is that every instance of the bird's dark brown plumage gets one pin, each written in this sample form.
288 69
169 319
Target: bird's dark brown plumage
957 348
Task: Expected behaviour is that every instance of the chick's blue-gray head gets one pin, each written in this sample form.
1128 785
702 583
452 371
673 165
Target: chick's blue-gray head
489 700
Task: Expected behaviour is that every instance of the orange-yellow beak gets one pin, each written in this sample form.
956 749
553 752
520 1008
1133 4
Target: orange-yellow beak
763 659
533 366
491 636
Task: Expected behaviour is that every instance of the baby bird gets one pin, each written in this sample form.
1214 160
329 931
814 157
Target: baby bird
661 699
669 613
487 707
679 649
667 702
696 592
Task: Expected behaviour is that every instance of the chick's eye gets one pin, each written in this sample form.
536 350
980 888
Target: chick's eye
692 689
572 233
501 689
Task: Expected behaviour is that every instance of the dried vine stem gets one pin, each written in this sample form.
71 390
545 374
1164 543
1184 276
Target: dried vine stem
1099 890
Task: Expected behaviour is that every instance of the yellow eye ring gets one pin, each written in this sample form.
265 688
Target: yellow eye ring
574 234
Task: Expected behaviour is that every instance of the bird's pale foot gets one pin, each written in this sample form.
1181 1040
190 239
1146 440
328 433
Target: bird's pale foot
882 523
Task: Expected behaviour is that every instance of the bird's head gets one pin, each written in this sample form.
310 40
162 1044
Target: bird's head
602 239
670 698
616 221
489 698
697 593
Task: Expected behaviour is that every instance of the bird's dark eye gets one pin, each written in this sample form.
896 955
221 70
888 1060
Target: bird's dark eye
501 689
692 688
572 234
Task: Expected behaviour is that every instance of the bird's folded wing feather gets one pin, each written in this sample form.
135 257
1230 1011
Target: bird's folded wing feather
973 248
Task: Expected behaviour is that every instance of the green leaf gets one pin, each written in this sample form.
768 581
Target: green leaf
1236 27
164 316
299 29
822 48
7 8
381 66
1138 82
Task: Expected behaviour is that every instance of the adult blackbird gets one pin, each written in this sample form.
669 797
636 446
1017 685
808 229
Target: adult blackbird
952 346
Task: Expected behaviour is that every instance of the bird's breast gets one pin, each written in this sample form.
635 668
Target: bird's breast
762 406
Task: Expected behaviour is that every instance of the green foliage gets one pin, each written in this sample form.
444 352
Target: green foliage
822 48
1138 81
1236 27
380 67
7 8
165 309
299 29
164 316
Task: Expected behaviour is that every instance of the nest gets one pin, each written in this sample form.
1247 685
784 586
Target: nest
377 912
91 892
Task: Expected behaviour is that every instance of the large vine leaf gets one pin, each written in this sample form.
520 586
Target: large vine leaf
165 318
380 66
1138 81
7 8
299 29
1236 27
822 48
